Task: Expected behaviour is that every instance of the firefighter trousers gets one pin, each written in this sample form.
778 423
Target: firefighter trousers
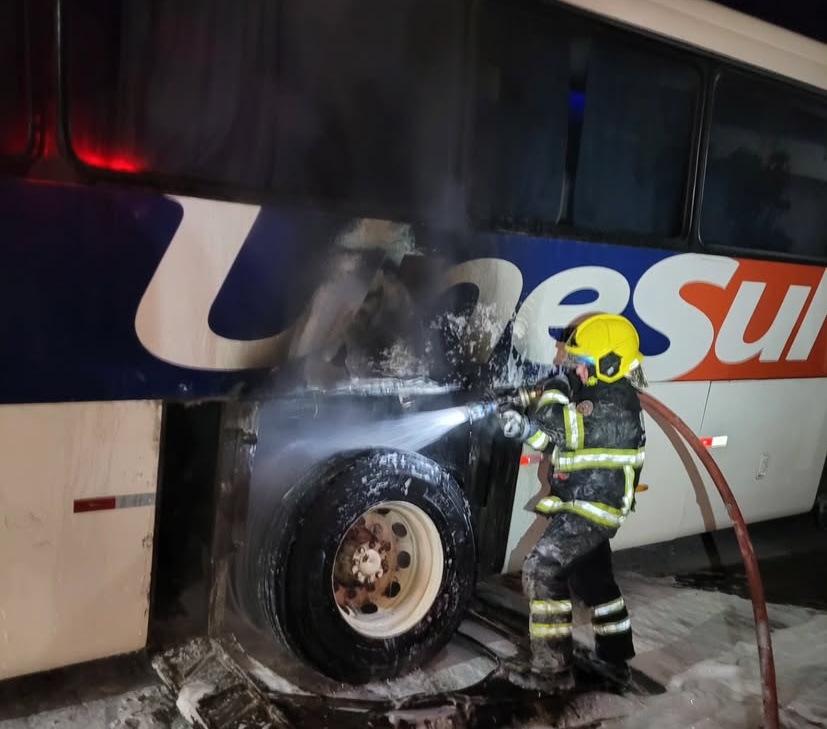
574 556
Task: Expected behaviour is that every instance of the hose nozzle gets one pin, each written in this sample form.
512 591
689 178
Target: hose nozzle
518 397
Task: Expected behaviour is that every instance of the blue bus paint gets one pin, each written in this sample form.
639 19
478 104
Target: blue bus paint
76 262
539 258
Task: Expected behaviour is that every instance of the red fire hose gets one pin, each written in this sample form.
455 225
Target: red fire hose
756 587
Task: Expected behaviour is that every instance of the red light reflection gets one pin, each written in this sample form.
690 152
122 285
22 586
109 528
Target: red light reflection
114 162
530 459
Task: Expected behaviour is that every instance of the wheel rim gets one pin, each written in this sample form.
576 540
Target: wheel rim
388 570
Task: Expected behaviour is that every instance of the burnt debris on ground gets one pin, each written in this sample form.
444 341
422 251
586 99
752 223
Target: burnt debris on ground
220 686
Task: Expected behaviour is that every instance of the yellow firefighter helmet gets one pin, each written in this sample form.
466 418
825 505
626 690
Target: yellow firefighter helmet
609 343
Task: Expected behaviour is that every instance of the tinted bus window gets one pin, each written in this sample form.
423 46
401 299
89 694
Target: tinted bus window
766 175
341 100
573 128
635 144
14 114
521 119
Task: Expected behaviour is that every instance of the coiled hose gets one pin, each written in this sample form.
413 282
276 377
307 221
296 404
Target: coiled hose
756 587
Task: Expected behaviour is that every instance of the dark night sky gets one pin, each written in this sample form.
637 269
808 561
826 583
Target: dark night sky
808 17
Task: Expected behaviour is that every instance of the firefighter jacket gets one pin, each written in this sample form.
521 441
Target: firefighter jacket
596 436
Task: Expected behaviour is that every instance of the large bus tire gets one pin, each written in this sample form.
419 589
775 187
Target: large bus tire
369 564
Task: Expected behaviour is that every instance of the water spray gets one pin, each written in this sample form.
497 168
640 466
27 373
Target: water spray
480 411
384 387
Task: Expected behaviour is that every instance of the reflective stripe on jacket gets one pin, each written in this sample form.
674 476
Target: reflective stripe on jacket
597 440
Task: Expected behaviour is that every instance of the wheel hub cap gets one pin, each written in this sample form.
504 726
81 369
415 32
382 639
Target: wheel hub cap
367 564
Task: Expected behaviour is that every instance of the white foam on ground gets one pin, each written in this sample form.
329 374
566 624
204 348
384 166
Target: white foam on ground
189 696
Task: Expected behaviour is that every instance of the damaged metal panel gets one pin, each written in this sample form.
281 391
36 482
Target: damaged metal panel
238 445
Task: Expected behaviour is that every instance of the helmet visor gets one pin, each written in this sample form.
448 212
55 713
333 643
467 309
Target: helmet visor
571 342
561 334
572 361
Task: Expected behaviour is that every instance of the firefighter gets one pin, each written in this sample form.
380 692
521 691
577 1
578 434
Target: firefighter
590 424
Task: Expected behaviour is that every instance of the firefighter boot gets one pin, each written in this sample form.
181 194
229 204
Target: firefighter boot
617 673
549 671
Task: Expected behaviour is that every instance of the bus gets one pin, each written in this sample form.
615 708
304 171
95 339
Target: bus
256 253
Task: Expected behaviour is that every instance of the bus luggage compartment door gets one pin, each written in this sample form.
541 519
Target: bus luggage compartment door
77 495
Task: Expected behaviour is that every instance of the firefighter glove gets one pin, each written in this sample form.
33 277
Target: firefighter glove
514 424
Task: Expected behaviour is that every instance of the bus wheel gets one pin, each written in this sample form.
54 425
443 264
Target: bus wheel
371 565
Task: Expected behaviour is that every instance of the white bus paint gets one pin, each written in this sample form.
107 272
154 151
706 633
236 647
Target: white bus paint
722 31
75 587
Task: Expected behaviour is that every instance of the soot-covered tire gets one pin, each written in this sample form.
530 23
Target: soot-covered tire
369 565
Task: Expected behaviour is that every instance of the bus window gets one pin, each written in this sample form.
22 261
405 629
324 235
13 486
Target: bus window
766 173
14 114
521 119
574 130
175 87
373 102
351 101
635 145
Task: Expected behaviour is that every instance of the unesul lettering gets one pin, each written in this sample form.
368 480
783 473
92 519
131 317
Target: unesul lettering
172 318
